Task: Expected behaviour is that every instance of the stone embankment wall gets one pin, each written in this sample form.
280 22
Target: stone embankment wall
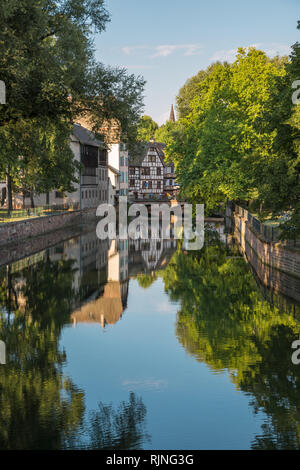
277 266
15 232
30 246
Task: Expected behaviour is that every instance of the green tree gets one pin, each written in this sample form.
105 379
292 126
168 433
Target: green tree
221 147
191 89
146 129
48 65
164 133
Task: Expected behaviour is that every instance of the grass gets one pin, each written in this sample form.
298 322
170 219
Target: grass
22 214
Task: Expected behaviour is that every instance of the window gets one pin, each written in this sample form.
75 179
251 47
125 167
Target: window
121 161
145 184
152 158
103 157
89 156
158 185
131 183
88 171
150 185
131 170
145 170
158 171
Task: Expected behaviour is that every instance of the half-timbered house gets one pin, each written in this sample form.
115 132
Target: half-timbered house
149 175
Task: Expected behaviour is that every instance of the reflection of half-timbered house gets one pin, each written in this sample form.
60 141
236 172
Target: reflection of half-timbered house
150 255
148 174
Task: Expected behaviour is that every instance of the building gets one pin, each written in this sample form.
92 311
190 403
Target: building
146 174
172 115
92 188
170 185
117 158
149 175
94 174
118 162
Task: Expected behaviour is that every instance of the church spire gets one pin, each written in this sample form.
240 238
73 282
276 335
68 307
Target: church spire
172 115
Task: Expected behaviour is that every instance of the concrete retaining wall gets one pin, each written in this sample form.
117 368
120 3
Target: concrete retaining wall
16 231
277 266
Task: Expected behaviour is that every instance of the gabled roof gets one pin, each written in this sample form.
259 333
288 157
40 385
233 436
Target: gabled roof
141 153
114 170
86 137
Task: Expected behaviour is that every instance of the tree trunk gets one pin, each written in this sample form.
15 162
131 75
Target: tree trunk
24 200
9 192
32 200
47 199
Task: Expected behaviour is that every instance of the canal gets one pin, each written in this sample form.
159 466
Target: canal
140 345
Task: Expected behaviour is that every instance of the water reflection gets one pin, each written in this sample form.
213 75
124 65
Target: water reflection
123 428
82 280
223 321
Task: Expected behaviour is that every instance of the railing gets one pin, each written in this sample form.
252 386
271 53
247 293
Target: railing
269 233
40 211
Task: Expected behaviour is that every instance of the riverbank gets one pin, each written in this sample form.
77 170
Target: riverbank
15 232
277 266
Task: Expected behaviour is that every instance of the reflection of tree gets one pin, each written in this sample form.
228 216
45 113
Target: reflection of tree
123 428
48 290
39 408
225 322
146 280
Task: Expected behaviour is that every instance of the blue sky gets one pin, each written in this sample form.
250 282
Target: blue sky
168 41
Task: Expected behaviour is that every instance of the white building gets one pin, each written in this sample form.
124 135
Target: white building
118 168
93 186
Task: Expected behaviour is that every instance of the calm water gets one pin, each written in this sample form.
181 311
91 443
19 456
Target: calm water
139 345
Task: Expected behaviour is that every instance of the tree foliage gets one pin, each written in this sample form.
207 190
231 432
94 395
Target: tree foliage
48 64
146 129
239 139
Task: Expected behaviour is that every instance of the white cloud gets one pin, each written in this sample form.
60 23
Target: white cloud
165 307
270 49
165 50
130 49
140 67
168 49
